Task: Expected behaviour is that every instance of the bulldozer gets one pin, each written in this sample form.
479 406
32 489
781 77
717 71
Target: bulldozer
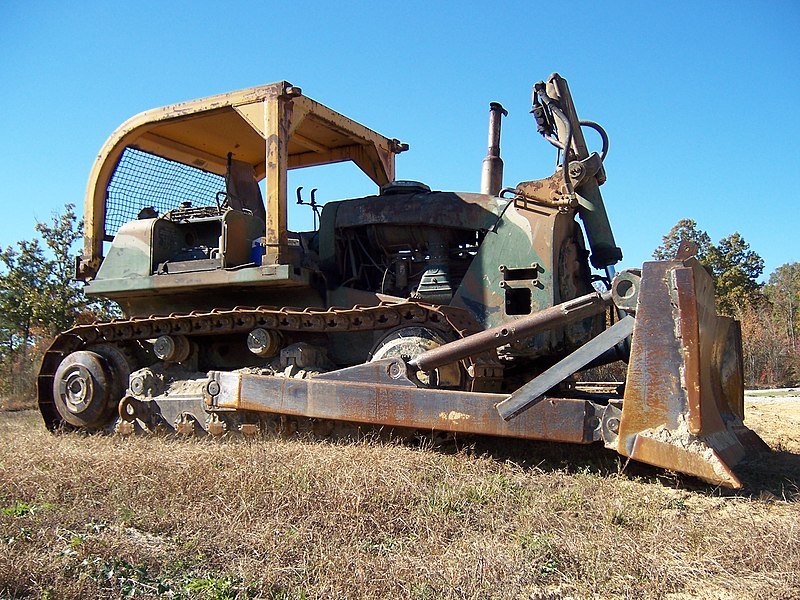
410 309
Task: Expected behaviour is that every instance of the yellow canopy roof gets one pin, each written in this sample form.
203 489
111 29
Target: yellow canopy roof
273 128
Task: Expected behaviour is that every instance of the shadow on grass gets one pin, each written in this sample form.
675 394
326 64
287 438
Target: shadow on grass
572 459
775 473
767 475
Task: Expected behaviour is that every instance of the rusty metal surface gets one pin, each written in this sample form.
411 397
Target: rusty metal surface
519 329
532 392
546 192
679 406
379 393
705 463
653 394
492 172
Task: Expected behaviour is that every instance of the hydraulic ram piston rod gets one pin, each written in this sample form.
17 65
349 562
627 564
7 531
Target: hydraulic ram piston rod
560 314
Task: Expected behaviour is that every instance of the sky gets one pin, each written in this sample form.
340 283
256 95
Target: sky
699 98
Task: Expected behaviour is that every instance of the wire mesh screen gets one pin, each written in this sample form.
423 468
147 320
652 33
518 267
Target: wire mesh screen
144 180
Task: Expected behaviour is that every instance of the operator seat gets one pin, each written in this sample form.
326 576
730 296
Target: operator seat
242 189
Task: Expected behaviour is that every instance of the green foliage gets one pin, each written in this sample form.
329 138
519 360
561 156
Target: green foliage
783 291
543 553
213 588
768 314
120 578
60 296
18 509
20 297
39 298
735 268
24 509
732 264
684 230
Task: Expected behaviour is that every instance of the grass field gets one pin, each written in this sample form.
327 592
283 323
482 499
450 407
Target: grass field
784 393
84 517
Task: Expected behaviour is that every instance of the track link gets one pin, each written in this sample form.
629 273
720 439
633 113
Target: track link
240 319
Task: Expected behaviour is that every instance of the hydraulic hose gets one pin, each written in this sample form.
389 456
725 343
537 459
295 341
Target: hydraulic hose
553 106
603 135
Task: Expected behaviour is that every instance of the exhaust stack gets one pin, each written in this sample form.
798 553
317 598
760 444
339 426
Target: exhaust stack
492 171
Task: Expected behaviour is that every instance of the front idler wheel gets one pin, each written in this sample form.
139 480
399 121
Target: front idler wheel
83 388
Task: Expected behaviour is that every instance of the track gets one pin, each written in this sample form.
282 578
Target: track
123 332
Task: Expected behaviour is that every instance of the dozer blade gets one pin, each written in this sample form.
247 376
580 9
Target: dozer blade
684 397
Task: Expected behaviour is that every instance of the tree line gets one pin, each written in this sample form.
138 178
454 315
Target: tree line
40 298
768 312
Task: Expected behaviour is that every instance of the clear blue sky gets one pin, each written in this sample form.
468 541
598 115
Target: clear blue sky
700 98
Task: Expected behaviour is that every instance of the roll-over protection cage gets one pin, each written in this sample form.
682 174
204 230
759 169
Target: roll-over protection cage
271 128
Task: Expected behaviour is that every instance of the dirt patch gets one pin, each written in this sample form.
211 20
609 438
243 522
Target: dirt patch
776 419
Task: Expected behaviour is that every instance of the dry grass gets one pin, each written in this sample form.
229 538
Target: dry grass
108 517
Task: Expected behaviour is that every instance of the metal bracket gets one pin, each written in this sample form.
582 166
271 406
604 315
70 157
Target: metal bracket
533 392
581 170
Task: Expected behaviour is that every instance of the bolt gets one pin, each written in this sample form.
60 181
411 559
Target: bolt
395 371
137 386
613 425
212 387
576 170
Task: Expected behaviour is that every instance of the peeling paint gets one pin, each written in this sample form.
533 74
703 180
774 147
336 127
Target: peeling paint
454 416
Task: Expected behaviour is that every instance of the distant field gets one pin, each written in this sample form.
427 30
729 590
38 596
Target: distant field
779 393
84 517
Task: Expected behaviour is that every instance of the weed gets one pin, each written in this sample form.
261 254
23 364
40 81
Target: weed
120 577
616 516
126 515
421 590
214 588
543 552
24 509
678 504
